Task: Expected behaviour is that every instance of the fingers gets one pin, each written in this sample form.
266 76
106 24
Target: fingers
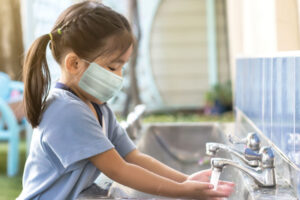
204 186
221 192
205 190
216 194
222 186
200 185
225 188
226 183
206 172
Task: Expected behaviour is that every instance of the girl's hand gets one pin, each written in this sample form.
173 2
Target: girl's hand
203 190
204 176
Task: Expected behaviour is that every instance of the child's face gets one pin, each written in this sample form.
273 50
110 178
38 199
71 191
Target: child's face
75 67
114 64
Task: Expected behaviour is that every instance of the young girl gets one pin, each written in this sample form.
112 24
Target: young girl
76 135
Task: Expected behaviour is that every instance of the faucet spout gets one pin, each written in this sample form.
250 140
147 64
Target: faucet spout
264 177
212 149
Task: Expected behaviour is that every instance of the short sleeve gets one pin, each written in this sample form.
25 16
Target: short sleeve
120 139
74 134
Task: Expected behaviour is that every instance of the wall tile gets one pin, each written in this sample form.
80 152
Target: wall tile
295 140
288 103
268 93
239 82
276 101
267 96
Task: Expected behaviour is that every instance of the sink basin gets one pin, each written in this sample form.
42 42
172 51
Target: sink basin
180 146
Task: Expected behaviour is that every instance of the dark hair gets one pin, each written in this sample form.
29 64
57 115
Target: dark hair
90 30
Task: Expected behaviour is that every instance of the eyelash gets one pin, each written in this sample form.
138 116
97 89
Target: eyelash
112 69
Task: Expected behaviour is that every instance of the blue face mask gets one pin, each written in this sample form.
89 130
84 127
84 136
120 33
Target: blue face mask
100 83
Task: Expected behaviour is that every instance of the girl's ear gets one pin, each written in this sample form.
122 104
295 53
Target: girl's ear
72 63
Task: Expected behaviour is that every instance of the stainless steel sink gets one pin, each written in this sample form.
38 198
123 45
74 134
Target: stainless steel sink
181 146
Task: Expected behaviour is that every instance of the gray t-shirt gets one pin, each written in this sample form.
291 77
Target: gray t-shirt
57 166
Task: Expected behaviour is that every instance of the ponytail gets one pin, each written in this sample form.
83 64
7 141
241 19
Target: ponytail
36 80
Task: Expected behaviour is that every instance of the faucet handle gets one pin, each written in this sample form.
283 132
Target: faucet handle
265 155
252 141
252 155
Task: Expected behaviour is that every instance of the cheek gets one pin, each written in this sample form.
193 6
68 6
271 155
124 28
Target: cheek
119 73
80 74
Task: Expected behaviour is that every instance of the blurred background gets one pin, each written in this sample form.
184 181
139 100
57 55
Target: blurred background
183 68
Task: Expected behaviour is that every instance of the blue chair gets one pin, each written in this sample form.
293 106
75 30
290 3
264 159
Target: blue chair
9 126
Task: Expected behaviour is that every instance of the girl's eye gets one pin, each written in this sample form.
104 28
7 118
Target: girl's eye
112 69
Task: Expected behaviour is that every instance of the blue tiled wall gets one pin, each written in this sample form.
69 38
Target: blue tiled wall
268 92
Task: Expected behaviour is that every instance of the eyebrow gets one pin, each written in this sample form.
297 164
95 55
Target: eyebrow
118 61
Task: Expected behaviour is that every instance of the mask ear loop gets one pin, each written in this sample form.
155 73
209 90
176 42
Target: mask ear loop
78 77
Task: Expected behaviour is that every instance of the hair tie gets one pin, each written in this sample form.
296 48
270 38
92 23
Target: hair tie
51 37
59 31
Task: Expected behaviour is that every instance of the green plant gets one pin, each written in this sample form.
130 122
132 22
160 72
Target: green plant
220 92
223 93
219 98
210 98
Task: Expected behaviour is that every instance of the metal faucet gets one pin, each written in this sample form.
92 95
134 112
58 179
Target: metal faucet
252 142
264 175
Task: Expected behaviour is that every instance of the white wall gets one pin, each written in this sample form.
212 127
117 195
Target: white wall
258 27
287 24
